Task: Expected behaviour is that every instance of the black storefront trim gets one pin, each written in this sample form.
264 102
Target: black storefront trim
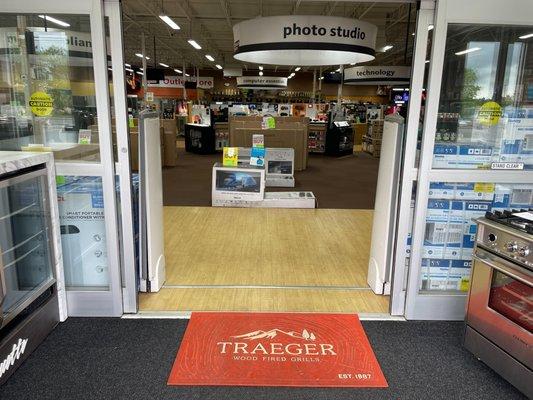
351 48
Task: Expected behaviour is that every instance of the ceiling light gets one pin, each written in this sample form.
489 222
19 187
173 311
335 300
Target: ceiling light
321 78
529 35
179 71
109 68
470 50
141 56
427 61
127 65
218 66
169 22
260 68
129 70
260 73
194 44
186 74
54 20
338 70
412 34
297 69
352 63
210 58
387 47
430 27
164 65
139 72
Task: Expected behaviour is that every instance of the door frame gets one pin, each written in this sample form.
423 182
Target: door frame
451 306
86 302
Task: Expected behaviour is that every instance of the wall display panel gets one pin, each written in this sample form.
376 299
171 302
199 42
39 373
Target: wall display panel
450 228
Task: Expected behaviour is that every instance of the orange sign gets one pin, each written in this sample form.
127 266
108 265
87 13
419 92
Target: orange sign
276 349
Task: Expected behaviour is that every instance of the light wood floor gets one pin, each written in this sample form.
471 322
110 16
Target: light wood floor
266 247
275 247
274 300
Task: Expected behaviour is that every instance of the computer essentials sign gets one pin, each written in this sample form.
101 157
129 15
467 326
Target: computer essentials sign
276 349
285 39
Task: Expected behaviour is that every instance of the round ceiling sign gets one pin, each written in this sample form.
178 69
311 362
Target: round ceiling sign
305 40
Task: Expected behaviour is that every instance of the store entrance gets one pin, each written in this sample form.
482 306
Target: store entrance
287 258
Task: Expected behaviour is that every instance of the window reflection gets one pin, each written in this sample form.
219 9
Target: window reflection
486 102
47 91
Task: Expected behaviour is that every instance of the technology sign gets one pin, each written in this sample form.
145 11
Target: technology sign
377 75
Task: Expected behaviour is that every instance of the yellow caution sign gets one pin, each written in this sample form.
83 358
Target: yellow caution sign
489 114
41 104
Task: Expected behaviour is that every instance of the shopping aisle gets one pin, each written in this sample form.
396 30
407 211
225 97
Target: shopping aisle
259 246
99 358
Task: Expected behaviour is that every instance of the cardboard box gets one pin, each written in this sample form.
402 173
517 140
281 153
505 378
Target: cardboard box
290 132
274 200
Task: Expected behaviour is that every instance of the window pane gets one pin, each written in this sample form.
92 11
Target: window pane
486 101
450 228
47 91
83 238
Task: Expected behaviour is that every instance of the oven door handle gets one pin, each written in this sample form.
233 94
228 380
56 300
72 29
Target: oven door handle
514 272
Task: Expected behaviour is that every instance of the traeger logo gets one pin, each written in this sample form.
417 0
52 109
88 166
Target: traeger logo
291 346
16 352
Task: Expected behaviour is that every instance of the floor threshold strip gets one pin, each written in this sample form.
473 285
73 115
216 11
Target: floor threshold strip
291 287
187 315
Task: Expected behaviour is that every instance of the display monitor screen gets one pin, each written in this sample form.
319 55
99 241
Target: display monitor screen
280 167
238 181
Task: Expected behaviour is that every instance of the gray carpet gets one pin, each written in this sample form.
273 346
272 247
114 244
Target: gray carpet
131 359
346 182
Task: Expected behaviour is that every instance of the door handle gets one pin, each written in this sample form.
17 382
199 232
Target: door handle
503 269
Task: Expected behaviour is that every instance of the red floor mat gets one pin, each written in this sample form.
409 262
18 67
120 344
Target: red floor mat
276 349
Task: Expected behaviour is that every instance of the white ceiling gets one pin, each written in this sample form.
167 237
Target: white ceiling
210 23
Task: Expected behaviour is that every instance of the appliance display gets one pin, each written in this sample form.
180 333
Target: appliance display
499 318
29 307
244 182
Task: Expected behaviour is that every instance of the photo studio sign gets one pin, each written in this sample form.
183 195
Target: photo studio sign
304 40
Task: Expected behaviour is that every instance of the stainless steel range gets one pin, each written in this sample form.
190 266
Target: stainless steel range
499 318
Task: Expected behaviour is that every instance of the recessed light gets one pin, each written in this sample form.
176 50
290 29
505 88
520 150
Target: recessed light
194 44
209 57
427 61
472 49
430 27
387 47
141 56
169 22
54 20
260 68
260 73
164 65
218 66
529 35
297 69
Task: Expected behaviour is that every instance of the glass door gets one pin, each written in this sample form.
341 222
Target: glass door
55 72
477 152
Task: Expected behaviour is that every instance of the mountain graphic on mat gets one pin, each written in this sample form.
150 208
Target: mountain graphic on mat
260 334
